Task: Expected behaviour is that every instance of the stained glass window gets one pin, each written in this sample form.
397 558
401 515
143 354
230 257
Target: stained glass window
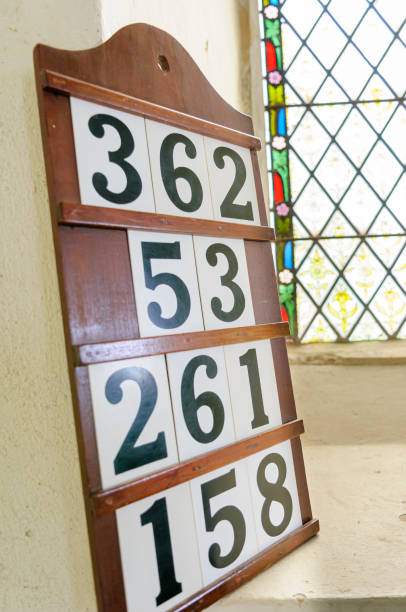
335 122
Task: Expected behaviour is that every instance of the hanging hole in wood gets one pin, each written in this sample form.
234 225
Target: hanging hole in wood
163 63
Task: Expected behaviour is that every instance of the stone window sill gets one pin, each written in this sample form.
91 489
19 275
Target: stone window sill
391 352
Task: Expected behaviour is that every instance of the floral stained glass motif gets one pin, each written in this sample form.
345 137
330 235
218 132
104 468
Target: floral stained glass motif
335 122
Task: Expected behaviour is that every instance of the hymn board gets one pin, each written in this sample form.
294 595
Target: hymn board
191 459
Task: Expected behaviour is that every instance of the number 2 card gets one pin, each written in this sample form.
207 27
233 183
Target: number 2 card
133 418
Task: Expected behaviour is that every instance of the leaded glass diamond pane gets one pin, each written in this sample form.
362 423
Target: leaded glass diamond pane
338 226
373 29
303 17
351 71
356 137
392 11
377 114
389 305
385 224
387 248
331 117
347 16
313 207
342 308
330 92
381 169
335 172
364 272
367 329
326 41
310 140
360 204
340 249
305 74
375 89
317 274
319 331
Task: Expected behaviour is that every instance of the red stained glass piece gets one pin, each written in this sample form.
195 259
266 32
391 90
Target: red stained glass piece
284 314
270 57
277 188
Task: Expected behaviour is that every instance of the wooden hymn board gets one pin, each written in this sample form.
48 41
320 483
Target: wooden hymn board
191 459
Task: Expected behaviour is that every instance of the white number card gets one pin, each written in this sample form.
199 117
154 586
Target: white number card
201 401
223 280
112 157
159 551
232 182
179 171
253 390
274 493
224 520
133 418
165 283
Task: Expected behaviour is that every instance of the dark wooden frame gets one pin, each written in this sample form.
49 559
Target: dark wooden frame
99 312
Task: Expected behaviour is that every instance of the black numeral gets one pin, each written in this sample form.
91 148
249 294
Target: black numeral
229 208
165 250
129 456
231 514
250 360
170 174
226 281
157 515
274 492
191 404
134 184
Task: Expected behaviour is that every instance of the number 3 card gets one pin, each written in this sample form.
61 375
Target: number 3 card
112 157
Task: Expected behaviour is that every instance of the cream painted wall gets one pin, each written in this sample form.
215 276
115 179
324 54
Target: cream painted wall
44 556
45 560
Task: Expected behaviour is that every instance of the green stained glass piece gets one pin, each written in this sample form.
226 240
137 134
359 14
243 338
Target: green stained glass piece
283 226
280 165
278 53
275 95
287 299
279 160
272 32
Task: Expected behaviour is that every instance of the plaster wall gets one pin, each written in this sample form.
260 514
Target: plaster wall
44 557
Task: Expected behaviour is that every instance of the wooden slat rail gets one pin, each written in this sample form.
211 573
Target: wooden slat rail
233 580
117 497
86 354
67 85
99 216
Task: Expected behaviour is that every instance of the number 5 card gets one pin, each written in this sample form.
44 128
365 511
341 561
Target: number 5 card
165 283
